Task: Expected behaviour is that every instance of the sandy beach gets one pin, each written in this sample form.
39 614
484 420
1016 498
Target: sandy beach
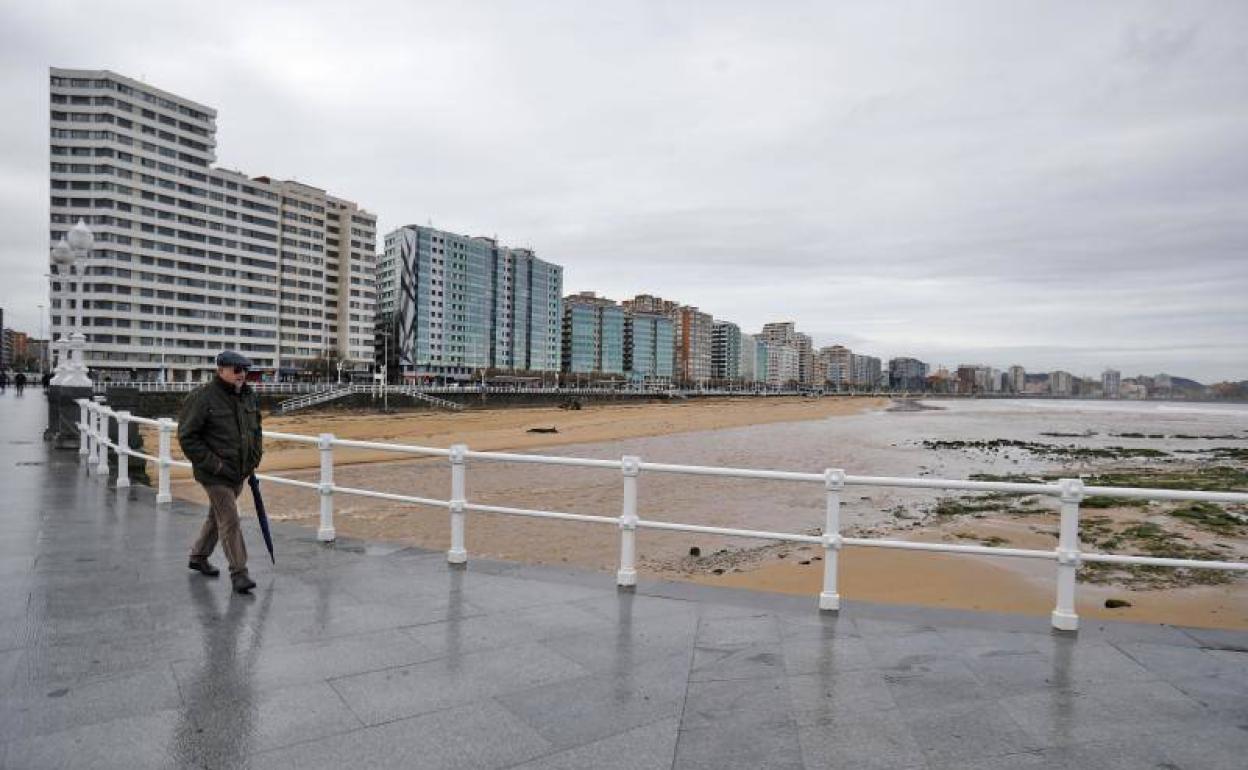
989 584
507 429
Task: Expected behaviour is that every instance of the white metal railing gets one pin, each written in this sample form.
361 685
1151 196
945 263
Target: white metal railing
95 421
316 387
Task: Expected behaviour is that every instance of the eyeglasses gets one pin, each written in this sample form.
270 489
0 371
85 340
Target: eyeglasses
240 370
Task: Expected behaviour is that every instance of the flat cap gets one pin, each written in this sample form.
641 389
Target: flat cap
230 358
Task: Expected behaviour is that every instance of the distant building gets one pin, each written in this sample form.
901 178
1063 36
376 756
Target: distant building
784 333
837 363
754 360
1111 383
1061 383
593 335
725 351
865 371
1017 379
783 367
908 374
691 355
1130 389
969 380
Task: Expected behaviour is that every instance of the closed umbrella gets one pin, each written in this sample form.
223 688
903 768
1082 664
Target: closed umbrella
262 515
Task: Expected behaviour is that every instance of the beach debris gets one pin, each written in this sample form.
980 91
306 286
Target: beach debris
718 570
782 555
804 561
551 429
1113 604
695 551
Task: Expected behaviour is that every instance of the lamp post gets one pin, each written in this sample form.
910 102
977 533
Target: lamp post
68 253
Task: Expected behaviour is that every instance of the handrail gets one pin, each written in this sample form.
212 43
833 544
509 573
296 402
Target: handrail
95 422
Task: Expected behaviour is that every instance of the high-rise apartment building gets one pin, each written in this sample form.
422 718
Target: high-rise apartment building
648 344
909 374
838 365
753 365
593 335
1111 383
785 333
191 259
1061 383
691 357
783 368
864 371
1017 378
725 351
693 345
453 305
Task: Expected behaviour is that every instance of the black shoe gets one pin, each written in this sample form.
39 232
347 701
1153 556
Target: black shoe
242 583
200 564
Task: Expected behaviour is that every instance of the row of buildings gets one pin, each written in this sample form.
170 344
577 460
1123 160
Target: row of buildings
974 379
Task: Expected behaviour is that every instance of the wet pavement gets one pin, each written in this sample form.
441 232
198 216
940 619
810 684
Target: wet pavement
114 655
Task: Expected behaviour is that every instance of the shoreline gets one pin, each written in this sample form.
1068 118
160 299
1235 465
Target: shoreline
951 581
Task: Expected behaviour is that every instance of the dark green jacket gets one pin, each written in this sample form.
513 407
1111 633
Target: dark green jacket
219 431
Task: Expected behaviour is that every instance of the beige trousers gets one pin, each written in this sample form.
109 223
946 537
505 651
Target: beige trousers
222 523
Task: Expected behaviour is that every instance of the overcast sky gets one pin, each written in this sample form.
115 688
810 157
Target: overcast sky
1056 184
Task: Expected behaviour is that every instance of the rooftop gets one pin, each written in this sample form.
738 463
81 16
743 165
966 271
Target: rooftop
113 654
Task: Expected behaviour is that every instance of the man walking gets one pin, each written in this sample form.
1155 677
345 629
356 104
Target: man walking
219 431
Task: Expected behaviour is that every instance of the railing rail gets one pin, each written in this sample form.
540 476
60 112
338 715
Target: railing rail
95 422
297 388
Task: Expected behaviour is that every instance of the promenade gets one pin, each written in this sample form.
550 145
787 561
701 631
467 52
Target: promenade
114 655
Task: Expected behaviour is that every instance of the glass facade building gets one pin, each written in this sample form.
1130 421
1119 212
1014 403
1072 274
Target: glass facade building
593 335
460 304
649 341
725 351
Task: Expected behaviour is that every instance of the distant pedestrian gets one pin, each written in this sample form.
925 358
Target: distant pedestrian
4 380
47 380
20 382
219 432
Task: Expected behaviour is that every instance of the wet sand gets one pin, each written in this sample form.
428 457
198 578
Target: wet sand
987 584
507 429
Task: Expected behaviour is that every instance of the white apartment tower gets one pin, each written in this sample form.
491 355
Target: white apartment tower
191 259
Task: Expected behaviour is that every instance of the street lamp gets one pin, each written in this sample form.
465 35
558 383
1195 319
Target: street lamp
68 252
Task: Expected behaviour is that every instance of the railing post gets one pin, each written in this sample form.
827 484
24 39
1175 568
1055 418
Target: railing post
458 553
93 434
123 446
101 443
833 483
326 532
626 578
163 492
1064 616
84 428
